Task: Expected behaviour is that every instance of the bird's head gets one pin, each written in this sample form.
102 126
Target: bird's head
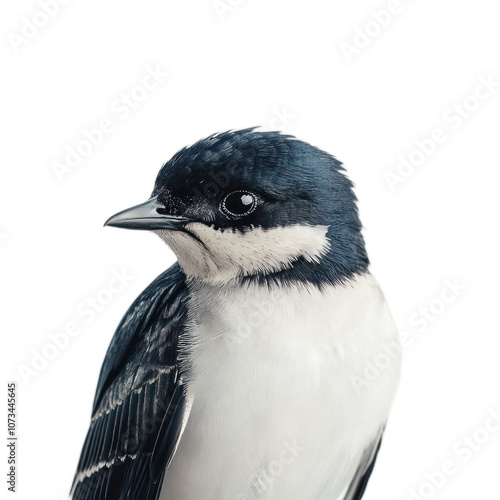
254 205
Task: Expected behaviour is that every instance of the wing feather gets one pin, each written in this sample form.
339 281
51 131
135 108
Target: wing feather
365 469
133 410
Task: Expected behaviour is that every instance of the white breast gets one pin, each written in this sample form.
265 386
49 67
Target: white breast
278 412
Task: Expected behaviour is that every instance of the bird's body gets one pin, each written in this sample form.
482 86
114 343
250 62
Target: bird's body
241 373
280 363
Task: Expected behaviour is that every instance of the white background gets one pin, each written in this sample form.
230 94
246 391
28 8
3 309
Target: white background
279 64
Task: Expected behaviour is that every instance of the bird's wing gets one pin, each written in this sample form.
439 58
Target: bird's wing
364 471
140 405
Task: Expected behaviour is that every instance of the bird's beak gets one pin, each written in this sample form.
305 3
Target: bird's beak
146 216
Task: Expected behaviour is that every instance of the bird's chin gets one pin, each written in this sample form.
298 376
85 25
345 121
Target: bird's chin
191 252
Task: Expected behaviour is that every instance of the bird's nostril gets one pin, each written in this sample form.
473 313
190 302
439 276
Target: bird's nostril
170 210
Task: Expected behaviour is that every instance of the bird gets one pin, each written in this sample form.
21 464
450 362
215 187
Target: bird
241 371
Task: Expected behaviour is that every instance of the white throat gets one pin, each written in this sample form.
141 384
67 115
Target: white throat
226 254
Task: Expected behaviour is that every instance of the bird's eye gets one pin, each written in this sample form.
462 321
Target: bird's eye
239 203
